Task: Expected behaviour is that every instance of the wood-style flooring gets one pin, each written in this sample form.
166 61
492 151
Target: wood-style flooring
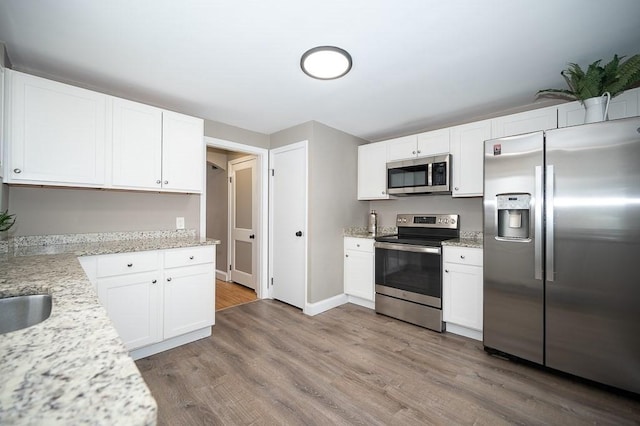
267 363
232 294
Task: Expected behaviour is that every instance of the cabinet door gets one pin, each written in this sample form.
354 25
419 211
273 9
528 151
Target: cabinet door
358 274
57 133
525 122
133 303
622 106
433 143
183 152
462 295
402 148
372 171
467 152
137 145
189 299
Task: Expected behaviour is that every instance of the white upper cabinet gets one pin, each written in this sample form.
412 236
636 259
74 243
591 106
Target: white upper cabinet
156 149
372 171
62 135
433 143
622 106
402 148
467 156
137 145
183 152
524 122
56 133
2 118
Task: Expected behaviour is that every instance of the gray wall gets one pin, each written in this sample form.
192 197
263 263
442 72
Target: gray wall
215 129
469 209
47 211
217 214
333 205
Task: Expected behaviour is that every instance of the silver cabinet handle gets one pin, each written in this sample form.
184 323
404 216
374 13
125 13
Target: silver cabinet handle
129 265
158 181
456 188
154 281
357 245
419 151
169 279
17 171
461 256
446 270
190 257
346 255
166 182
413 152
383 192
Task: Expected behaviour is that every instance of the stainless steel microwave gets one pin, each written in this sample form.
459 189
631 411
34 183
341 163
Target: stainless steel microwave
424 175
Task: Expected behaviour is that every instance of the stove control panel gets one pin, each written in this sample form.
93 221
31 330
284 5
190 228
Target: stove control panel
449 221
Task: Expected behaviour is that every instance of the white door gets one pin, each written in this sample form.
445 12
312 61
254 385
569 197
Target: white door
288 213
243 219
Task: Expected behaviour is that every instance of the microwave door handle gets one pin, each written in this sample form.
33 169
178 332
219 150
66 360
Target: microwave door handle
430 174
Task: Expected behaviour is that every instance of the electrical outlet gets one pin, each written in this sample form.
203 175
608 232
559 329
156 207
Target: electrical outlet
179 222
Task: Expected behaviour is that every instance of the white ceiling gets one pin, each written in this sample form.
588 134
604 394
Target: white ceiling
418 64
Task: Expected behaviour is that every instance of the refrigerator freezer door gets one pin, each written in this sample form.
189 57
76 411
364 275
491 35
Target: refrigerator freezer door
593 302
513 296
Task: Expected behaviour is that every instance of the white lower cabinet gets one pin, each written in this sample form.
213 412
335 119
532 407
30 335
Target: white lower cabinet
189 299
359 270
158 299
463 291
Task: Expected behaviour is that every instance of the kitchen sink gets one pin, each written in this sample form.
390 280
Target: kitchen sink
21 312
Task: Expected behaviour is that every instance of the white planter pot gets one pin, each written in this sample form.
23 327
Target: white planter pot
597 109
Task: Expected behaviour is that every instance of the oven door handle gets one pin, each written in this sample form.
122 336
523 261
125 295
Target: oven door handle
408 247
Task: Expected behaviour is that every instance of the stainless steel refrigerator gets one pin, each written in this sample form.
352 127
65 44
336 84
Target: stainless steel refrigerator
562 250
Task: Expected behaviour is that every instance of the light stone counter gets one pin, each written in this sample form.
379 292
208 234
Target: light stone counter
72 368
471 239
362 232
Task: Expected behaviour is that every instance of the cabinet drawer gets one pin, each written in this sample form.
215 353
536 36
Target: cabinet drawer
360 244
463 255
127 263
189 256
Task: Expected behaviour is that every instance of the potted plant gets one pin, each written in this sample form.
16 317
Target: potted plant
6 220
598 84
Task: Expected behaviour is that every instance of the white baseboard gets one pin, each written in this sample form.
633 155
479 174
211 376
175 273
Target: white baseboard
221 275
464 331
312 309
361 302
174 342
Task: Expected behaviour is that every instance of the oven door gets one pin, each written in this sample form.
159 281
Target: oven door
409 272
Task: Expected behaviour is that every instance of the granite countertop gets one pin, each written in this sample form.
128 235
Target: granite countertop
472 239
72 368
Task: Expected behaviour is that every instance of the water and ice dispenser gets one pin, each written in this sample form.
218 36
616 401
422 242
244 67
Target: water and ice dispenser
513 216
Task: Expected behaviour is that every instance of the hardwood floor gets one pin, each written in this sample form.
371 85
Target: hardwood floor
232 294
267 363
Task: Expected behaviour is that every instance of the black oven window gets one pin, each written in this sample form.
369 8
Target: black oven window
415 272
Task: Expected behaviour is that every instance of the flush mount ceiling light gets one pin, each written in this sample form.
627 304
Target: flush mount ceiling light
325 62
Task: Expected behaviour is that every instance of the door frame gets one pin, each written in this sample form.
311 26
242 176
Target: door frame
262 154
305 145
231 209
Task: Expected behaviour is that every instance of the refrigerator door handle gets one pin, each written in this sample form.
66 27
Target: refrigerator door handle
537 240
550 176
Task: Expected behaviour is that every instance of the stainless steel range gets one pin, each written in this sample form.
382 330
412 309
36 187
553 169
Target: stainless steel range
408 271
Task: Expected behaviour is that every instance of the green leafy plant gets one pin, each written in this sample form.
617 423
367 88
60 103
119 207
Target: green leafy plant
615 77
6 220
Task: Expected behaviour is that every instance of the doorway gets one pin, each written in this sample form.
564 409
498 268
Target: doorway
233 151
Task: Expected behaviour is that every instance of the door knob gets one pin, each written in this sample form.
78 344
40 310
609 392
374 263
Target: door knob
252 236
299 234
